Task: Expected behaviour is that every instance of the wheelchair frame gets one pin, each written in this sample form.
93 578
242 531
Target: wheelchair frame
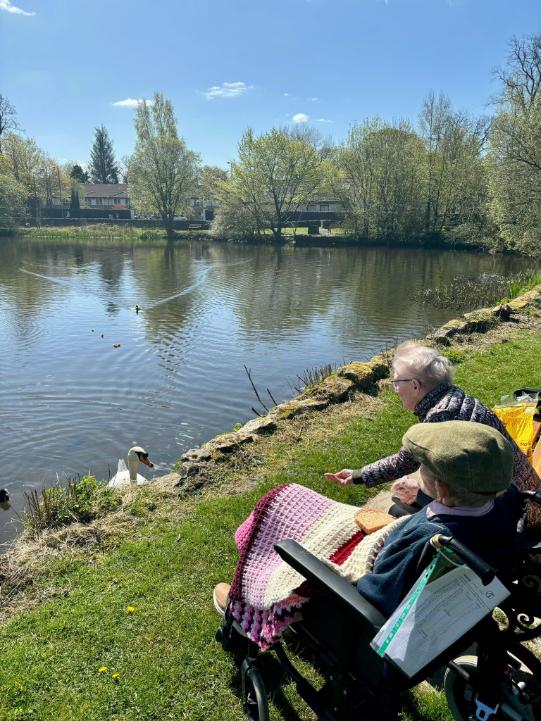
361 685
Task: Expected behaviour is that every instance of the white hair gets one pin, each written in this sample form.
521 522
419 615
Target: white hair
426 364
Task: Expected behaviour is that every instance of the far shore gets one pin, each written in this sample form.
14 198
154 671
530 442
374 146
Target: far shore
291 236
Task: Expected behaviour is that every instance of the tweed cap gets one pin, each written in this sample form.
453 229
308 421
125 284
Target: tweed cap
470 455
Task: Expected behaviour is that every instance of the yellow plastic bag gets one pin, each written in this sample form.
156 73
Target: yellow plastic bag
518 421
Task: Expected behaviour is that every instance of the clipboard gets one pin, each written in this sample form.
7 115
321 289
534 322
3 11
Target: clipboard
446 601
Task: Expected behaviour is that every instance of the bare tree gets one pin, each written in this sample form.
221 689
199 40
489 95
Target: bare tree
8 118
521 78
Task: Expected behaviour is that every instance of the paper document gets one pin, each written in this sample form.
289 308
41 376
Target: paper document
436 612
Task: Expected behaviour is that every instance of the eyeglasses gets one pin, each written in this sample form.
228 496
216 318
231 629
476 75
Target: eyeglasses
396 381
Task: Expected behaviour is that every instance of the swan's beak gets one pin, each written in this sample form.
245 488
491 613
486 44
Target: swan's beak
146 460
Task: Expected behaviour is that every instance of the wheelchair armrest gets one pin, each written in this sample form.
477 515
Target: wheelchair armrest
325 579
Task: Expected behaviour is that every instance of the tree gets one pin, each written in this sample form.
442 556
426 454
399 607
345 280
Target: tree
78 174
455 184
212 178
103 166
515 148
163 172
274 175
377 177
43 180
12 202
8 118
75 205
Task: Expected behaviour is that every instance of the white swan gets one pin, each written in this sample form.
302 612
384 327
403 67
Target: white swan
126 475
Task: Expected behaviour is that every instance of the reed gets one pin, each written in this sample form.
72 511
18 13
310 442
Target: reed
471 293
80 499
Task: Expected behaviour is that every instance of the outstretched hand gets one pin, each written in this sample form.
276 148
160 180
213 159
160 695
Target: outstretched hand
343 477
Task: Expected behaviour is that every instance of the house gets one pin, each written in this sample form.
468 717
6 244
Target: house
108 196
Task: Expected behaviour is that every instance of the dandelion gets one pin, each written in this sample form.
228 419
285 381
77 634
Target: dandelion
131 609
102 669
115 676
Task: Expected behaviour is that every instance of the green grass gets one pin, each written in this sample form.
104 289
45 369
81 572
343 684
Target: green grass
169 664
103 234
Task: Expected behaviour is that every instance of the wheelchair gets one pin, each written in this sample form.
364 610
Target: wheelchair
489 673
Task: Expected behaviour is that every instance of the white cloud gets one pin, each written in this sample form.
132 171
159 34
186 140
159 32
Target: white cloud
130 102
300 118
227 90
324 120
286 95
313 100
8 7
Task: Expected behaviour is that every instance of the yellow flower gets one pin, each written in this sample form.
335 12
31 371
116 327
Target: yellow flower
102 669
115 676
131 609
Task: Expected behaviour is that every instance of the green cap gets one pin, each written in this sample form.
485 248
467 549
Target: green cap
462 453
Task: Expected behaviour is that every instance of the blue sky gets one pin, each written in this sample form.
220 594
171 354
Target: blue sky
230 64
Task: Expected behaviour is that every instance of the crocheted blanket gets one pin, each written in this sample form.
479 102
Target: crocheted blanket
266 593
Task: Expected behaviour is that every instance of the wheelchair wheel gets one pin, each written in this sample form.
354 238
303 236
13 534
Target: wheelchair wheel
520 691
254 695
458 692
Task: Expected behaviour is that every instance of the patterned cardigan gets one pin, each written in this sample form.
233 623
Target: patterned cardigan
450 403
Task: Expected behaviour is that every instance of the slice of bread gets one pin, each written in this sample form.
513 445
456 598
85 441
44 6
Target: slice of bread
371 519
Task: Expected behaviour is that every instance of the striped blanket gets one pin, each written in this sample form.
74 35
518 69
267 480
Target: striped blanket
266 594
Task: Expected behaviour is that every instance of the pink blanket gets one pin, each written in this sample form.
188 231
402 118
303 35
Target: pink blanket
266 594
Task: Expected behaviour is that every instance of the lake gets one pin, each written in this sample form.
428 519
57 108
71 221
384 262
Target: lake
84 377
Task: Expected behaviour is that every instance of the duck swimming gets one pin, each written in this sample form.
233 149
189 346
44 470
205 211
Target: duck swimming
128 475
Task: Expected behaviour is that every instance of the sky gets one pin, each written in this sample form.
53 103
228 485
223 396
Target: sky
70 65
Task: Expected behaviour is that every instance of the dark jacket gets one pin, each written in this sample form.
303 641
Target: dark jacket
395 570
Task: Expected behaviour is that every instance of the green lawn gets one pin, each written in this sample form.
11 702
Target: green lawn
163 647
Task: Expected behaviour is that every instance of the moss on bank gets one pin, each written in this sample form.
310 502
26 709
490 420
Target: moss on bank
161 552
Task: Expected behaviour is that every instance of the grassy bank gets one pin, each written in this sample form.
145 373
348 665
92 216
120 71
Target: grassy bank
117 622
106 232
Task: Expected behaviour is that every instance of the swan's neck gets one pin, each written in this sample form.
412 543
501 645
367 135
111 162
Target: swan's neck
133 463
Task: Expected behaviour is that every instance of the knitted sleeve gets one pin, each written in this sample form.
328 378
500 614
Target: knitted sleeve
386 469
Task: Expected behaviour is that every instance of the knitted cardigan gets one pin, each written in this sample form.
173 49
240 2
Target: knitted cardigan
450 403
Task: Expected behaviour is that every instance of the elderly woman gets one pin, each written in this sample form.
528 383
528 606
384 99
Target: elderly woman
423 380
465 470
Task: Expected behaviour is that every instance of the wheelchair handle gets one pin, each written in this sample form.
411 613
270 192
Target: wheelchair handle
531 496
485 572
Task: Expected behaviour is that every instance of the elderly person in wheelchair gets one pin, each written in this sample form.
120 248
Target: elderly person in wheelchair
466 468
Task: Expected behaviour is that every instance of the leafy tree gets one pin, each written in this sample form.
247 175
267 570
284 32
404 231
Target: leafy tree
515 148
12 202
377 177
163 172
78 174
8 118
43 180
103 166
212 178
274 175
455 184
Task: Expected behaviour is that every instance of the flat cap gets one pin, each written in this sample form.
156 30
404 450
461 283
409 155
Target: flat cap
462 453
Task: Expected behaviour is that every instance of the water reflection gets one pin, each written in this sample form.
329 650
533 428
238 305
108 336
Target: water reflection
84 376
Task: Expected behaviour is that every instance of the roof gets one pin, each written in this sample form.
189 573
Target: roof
105 190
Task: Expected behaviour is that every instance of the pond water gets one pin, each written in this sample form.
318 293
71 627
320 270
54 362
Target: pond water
73 403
